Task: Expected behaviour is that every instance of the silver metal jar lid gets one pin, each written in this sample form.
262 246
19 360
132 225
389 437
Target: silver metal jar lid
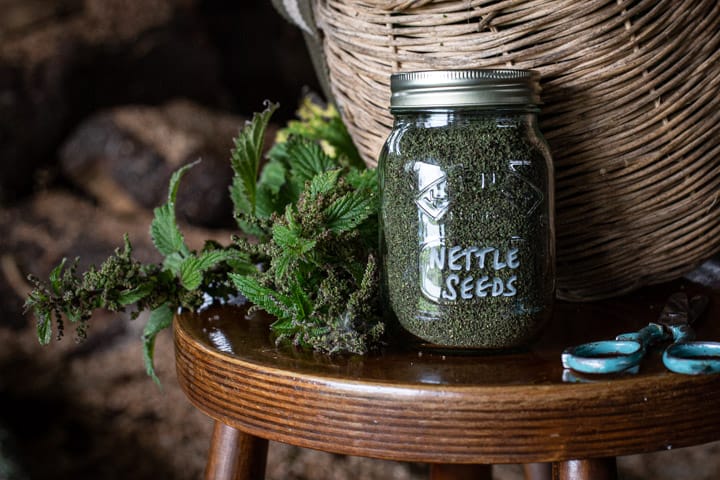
464 88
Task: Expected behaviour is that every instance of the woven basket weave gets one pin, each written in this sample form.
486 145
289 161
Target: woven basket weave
632 113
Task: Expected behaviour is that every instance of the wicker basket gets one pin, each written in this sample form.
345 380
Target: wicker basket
632 113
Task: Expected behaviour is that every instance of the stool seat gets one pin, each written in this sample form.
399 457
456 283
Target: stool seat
420 406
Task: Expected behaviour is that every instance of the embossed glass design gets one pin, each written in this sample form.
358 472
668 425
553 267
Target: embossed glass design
467 238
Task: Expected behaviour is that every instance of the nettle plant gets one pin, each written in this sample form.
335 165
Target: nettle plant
307 253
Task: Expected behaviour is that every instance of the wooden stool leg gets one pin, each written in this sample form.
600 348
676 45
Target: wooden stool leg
235 455
447 471
538 471
592 469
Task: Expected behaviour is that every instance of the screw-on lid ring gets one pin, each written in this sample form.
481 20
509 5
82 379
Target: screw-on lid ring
464 88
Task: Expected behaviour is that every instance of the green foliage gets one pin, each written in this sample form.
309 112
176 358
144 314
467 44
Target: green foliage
312 209
165 234
323 125
317 250
245 161
160 319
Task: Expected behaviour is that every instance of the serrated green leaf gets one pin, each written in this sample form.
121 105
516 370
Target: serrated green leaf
128 297
283 326
210 258
365 179
245 161
306 159
271 196
242 203
268 299
272 177
288 239
336 134
323 183
193 268
190 273
347 212
44 328
324 124
302 300
281 264
160 319
242 266
172 262
175 180
164 232
55 277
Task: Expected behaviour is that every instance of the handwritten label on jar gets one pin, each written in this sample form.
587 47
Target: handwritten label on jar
457 273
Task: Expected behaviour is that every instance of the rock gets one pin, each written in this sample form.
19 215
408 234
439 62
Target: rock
124 157
60 60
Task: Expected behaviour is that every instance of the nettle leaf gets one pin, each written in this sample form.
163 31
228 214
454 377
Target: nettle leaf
175 180
307 159
191 274
193 268
44 327
270 198
266 298
242 265
160 319
289 239
325 125
337 135
173 262
245 161
365 179
348 211
128 297
293 247
165 234
55 277
240 197
272 178
302 300
323 183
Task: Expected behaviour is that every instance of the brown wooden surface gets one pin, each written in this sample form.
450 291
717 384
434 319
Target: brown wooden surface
235 455
411 406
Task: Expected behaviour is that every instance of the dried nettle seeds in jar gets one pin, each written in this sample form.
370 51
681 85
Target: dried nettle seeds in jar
467 239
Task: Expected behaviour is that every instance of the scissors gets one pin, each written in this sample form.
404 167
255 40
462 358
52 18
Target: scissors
625 352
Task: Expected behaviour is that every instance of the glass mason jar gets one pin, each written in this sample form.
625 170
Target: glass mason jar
467 223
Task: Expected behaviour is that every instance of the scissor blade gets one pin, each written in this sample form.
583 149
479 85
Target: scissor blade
698 305
676 311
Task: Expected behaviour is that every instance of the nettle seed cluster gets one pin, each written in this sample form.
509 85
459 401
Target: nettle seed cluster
467 249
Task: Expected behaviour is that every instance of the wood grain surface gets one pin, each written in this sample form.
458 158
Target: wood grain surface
408 405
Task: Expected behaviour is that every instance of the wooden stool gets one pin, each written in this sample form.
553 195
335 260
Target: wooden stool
459 413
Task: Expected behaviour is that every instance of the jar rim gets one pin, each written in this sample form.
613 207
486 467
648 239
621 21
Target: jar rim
464 88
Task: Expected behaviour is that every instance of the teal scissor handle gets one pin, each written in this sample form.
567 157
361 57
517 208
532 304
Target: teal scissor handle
692 358
612 356
607 356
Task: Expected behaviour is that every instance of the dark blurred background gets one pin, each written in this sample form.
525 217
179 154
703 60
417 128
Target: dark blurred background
63 60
